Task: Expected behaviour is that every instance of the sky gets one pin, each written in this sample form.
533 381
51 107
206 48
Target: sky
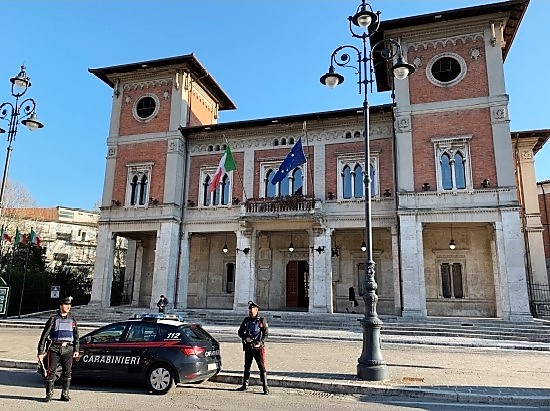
266 55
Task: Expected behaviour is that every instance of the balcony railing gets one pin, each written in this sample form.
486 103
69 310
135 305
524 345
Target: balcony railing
279 204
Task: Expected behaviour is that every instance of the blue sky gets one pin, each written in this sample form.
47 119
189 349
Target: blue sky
266 55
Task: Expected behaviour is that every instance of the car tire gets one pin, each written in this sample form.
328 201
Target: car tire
159 379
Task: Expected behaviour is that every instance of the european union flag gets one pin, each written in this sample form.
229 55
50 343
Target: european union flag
295 158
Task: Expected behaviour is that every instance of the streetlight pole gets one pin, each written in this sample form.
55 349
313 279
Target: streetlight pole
371 365
24 111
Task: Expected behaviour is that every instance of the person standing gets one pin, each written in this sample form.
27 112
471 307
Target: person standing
352 300
162 303
59 344
253 332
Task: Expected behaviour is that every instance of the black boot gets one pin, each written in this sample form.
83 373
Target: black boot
245 381
49 391
263 378
65 390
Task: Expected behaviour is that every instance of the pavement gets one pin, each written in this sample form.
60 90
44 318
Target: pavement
451 370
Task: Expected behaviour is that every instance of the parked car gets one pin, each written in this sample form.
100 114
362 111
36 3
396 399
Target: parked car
157 349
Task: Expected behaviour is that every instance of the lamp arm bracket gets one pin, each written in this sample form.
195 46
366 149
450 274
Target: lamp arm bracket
29 107
4 109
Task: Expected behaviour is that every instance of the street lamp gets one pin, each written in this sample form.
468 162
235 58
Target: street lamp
371 365
24 111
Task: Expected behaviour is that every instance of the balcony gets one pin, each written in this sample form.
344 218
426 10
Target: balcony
298 204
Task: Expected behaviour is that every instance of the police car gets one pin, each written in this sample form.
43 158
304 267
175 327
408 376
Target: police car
157 349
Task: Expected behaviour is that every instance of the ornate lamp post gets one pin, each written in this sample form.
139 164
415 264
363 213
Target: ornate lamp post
371 365
23 112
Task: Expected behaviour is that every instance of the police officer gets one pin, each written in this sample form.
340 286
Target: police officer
59 345
253 332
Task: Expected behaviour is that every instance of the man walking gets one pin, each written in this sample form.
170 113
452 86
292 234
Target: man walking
59 345
253 332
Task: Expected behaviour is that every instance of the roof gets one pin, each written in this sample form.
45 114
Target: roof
514 8
199 74
542 137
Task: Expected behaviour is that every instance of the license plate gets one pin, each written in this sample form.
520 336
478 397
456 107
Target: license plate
212 366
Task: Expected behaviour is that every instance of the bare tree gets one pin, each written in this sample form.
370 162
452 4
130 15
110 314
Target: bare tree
16 197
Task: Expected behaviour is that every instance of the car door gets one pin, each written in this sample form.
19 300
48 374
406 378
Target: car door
137 349
99 352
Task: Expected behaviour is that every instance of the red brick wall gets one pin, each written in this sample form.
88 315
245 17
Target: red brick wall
474 84
213 159
154 152
476 123
129 125
277 155
385 163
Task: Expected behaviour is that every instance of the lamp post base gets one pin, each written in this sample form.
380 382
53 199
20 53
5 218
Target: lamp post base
371 365
373 372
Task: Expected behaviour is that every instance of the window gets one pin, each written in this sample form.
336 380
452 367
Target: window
110 333
63 236
142 332
352 184
453 163
60 256
138 183
230 277
221 195
291 184
146 107
446 69
451 280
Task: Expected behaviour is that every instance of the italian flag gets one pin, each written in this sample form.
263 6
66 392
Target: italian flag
227 163
4 235
33 238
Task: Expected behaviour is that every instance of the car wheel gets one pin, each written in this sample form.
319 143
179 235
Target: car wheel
159 379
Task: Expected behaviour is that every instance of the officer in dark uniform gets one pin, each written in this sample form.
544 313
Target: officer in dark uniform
59 345
253 332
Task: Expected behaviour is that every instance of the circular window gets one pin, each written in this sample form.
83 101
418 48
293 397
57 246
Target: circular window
146 107
446 69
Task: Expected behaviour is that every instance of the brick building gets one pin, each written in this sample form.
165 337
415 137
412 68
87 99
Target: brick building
443 163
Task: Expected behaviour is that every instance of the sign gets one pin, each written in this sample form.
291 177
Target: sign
4 292
55 291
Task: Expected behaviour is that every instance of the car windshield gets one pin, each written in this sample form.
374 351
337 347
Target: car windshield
195 333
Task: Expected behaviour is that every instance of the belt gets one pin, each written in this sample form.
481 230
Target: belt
62 343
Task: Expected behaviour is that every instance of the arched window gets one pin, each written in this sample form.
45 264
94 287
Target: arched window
224 190
134 191
270 189
346 182
373 187
143 190
206 195
297 181
358 181
460 171
446 173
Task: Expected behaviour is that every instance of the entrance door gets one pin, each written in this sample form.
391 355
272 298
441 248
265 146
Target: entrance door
297 284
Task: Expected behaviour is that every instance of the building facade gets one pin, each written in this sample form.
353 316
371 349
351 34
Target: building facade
68 235
442 164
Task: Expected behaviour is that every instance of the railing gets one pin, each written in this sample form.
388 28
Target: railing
279 204
540 300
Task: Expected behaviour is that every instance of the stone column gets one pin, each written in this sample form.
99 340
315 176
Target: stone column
165 263
412 268
182 282
138 270
320 282
395 270
103 269
245 278
510 254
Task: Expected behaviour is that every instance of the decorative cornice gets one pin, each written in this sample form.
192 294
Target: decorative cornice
148 84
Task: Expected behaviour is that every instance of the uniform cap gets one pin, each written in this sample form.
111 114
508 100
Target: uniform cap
66 300
252 304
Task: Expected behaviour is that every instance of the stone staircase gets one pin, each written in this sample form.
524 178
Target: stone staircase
478 328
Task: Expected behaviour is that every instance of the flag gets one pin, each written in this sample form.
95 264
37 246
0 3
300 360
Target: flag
17 236
295 158
33 238
227 163
4 235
